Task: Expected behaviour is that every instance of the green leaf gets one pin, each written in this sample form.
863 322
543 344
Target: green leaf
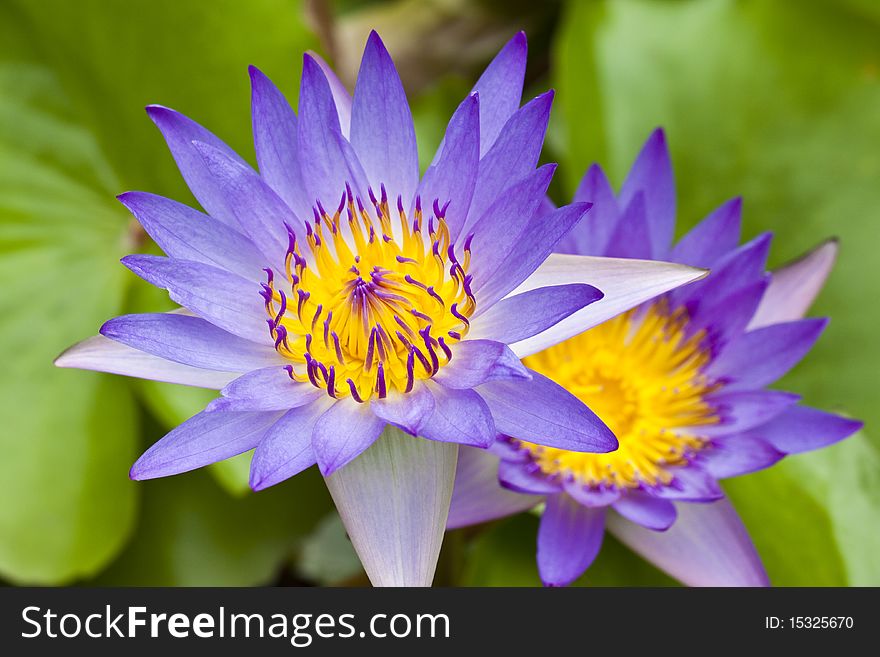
327 555
770 100
192 533
66 504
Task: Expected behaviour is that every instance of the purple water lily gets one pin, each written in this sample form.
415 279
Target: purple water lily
336 296
681 381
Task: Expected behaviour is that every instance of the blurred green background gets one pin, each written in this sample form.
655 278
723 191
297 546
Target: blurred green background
776 100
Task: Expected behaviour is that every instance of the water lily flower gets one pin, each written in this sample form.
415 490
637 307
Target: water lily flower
336 297
681 381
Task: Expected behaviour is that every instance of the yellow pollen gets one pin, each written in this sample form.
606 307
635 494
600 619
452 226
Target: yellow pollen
374 303
641 375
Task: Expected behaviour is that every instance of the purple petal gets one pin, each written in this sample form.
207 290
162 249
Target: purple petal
498 230
590 496
524 315
286 449
760 357
794 287
801 429
652 174
513 156
343 433
459 416
738 454
525 478
266 389
405 410
329 161
590 237
475 362
341 97
188 234
224 299
690 483
190 341
104 355
382 130
646 510
625 283
204 438
453 176
569 539
707 546
724 319
179 133
712 238
632 235
540 411
501 87
532 247
477 496
275 141
258 209
394 501
741 410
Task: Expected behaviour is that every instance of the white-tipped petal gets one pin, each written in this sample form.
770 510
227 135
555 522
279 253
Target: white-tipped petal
394 500
104 355
625 282
794 287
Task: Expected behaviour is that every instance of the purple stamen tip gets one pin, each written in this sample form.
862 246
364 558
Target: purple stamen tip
331 382
400 204
341 203
380 381
289 370
384 193
320 207
348 193
418 203
443 210
372 196
467 242
354 392
437 212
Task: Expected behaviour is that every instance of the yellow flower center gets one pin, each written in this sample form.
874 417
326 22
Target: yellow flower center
368 308
641 374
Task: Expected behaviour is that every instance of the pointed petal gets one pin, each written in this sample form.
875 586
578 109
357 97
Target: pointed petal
266 389
533 245
760 357
259 211
224 299
477 496
725 318
801 429
590 237
188 234
204 438
179 133
501 85
794 287
343 433
475 362
382 130
341 97
739 454
540 411
394 501
104 355
513 156
330 157
690 483
632 235
524 315
625 283
741 410
406 410
707 546
710 239
652 174
191 341
453 176
569 539
645 510
498 229
286 449
459 416
275 142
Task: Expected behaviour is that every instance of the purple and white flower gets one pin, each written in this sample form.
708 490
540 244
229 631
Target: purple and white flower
681 381
337 296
